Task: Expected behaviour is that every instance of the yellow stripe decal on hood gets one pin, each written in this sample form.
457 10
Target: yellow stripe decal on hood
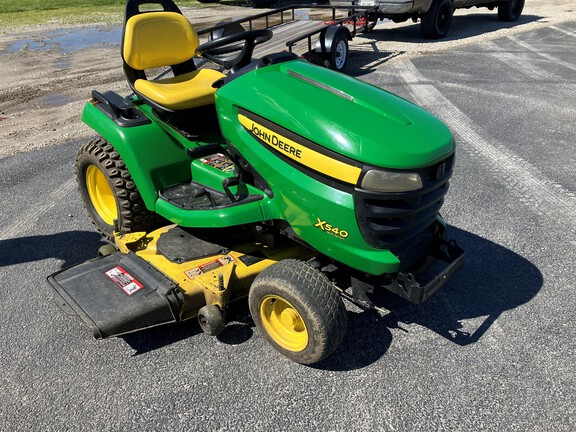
302 154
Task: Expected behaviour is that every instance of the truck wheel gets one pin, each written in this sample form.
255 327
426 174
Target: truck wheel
436 22
298 310
261 3
108 192
510 10
337 58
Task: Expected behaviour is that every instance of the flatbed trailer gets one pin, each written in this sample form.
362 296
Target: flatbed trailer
319 33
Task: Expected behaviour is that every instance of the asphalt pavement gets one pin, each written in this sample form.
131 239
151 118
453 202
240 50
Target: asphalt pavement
494 349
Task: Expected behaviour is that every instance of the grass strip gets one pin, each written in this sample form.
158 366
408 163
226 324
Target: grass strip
16 13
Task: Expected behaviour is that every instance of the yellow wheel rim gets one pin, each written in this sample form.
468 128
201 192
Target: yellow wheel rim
283 323
101 194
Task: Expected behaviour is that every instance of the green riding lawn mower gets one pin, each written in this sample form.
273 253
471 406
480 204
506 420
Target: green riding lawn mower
280 182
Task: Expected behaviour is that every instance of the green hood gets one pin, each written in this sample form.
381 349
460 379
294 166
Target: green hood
340 113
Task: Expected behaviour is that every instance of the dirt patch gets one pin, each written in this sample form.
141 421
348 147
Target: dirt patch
46 80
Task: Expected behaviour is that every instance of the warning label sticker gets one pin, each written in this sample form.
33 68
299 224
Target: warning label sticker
209 266
124 280
219 161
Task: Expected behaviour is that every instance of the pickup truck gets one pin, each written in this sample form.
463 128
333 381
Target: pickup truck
436 15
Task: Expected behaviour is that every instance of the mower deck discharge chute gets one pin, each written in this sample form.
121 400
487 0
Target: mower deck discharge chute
281 182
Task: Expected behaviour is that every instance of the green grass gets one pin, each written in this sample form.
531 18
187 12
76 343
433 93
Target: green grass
14 13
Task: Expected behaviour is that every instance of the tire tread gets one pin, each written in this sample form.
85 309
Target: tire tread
310 291
133 214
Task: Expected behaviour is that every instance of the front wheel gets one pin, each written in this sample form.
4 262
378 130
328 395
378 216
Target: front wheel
510 10
211 320
436 22
108 191
298 310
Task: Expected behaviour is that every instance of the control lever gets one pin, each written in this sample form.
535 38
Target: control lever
231 181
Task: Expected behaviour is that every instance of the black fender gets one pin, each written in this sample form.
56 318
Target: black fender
327 37
225 29
163 153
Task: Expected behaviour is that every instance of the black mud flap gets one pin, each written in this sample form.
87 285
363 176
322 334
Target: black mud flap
117 294
449 255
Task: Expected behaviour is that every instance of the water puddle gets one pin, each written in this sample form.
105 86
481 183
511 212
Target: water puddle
56 100
68 41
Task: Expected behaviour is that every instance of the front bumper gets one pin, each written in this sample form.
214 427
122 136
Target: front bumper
415 287
449 254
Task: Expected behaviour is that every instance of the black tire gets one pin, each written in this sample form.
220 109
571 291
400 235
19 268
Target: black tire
298 311
510 10
337 58
261 3
123 207
436 22
211 320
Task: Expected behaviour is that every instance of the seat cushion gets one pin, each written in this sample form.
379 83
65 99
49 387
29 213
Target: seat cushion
184 91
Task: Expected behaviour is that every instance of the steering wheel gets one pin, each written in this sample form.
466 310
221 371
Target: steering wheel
214 49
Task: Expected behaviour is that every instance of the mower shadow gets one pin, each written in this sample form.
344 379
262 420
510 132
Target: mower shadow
70 246
239 330
148 340
493 280
367 339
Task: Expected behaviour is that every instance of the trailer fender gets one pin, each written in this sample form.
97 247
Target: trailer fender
332 46
328 37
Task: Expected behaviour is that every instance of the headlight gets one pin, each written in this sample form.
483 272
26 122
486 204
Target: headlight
389 181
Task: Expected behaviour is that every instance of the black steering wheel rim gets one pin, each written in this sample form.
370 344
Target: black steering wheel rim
211 49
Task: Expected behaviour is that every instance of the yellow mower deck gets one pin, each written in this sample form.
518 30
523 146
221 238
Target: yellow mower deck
215 279
161 277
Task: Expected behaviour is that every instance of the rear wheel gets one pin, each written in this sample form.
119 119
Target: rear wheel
108 191
436 22
510 10
298 311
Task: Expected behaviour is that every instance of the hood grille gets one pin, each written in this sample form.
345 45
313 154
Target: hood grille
394 220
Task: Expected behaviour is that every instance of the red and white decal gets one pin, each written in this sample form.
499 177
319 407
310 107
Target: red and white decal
209 266
124 280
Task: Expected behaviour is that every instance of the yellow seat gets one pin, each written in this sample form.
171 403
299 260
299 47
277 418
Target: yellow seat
160 39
